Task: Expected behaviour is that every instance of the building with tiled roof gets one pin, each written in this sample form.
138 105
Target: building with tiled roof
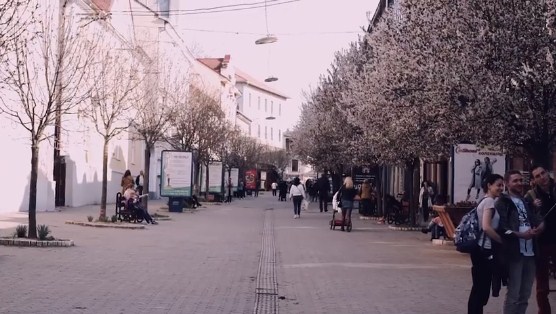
257 102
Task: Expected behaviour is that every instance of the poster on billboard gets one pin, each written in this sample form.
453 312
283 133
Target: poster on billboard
214 175
251 179
235 178
471 166
363 173
176 173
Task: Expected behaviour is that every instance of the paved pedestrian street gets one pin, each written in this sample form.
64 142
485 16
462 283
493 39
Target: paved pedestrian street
249 256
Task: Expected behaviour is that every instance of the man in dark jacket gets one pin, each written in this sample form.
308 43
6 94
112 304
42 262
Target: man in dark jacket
543 198
518 226
323 187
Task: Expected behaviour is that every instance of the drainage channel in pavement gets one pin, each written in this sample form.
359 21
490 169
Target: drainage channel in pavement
267 286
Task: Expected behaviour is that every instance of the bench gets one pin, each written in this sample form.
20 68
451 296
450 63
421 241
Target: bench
124 212
446 220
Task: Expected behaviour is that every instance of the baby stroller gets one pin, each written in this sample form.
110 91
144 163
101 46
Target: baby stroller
337 210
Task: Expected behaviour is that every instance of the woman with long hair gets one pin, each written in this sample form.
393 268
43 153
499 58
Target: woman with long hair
127 181
347 195
482 258
297 194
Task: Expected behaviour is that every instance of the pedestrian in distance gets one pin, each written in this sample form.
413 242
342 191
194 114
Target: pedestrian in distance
323 187
139 182
366 194
542 197
274 187
127 180
518 226
482 259
347 196
297 194
425 200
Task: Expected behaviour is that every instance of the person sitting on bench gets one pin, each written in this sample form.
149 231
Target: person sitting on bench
133 199
435 227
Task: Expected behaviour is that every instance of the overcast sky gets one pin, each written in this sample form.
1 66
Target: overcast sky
309 33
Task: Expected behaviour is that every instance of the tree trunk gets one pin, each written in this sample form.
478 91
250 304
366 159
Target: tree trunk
207 183
33 190
413 184
147 175
104 180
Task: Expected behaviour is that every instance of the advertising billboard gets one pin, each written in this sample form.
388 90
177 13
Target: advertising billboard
471 166
363 173
235 178
251 179
215 170
176 173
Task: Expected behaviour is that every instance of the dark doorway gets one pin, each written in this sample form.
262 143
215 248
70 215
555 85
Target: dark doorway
60 179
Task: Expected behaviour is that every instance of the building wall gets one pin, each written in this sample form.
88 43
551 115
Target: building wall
252 104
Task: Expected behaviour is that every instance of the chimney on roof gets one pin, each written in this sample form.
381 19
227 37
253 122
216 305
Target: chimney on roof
225 61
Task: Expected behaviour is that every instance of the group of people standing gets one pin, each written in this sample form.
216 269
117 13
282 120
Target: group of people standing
347 195
517 242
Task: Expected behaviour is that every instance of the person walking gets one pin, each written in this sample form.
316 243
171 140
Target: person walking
347 196
518 225
425 200
139 182
542 197
127 180
274 187
482 259
323 187
366 194
297 194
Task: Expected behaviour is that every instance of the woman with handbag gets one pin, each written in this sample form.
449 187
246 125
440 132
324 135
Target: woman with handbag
297 194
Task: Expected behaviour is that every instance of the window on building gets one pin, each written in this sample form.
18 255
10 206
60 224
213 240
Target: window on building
259 103
259 131
249 100
265 105
265 132
279 135
271 107
272 134
295 165
279 109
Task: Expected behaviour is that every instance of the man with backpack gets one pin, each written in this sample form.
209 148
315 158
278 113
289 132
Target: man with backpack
543 198
517 227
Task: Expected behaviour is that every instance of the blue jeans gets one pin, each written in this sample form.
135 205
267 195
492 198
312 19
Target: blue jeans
520 284
297 204
347 208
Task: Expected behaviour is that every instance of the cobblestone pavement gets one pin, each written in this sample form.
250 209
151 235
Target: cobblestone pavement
207 262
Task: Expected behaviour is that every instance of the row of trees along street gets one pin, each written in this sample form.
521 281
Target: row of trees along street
434 74
52 73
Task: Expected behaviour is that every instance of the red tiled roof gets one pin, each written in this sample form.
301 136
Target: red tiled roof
213 63
241 77
104 5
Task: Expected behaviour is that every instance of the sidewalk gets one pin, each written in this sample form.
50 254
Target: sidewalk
208 262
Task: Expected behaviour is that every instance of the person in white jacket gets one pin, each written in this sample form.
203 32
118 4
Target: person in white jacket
297 193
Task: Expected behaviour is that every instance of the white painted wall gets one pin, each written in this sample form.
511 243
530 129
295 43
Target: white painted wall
252 104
